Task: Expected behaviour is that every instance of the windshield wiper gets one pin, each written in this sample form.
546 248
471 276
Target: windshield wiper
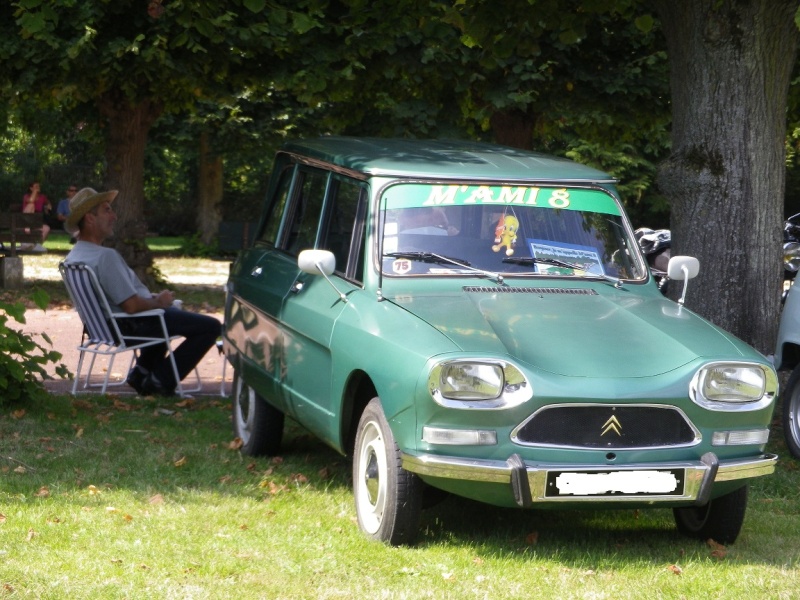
429 257
530 260
432 257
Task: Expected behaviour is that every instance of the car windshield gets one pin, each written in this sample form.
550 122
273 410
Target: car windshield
506 230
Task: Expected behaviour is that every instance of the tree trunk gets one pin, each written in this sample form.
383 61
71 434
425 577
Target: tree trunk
127 127
512 128
730 62
210 191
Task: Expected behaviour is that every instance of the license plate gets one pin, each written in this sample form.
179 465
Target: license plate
616 483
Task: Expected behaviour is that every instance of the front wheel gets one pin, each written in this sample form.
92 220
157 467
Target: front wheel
791 413
720 520
388 498
256 422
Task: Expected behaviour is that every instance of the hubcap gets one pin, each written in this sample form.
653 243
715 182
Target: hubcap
244 411
372 480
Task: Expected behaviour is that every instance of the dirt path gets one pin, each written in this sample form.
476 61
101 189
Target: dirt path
63 327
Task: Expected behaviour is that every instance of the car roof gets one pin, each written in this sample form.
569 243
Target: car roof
442 159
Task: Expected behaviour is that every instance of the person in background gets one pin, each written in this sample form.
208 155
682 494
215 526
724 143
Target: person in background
62 210
91 215
36 202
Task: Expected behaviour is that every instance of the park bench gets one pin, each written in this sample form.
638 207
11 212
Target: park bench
18 228
18 232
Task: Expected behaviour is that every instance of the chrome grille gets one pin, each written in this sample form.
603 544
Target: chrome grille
607 427
479 289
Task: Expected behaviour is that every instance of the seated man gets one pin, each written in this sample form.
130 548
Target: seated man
92 217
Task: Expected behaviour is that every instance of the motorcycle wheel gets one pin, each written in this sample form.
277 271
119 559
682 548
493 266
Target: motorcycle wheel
791 413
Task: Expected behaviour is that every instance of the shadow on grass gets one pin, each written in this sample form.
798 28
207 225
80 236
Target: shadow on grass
174 448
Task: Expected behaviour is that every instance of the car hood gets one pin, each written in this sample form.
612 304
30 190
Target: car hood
574 332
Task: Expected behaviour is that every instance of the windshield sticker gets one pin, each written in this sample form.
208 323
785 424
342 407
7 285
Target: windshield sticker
401 266
408 195
585 258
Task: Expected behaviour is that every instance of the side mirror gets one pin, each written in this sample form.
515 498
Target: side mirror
683 268
317 262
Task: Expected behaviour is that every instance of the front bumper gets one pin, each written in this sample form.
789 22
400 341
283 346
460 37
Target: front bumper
537 483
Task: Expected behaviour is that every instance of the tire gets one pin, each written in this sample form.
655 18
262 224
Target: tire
388 498
256 422
720 520
790 410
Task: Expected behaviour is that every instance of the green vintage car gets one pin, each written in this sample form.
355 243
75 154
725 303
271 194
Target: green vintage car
480 320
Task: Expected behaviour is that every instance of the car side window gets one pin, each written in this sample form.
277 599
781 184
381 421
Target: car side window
272 222
342 214
305 210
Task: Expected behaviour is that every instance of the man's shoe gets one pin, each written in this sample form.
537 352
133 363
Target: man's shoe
136 380
152 386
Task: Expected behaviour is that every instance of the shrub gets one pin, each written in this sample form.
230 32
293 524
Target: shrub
22 359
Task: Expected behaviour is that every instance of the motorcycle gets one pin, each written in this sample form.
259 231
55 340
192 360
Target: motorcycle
656 246
787 350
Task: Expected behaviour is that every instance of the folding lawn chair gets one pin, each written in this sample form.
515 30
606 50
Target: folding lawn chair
101 331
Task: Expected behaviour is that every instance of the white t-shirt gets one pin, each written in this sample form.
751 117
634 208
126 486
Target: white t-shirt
117 279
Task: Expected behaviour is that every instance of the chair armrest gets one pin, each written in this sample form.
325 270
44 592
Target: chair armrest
154 312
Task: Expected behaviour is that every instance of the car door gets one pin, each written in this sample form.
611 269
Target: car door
312 305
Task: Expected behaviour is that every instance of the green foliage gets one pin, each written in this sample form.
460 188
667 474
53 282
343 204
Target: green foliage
194 247
23 361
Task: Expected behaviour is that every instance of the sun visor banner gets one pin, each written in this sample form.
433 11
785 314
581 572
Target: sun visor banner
410 195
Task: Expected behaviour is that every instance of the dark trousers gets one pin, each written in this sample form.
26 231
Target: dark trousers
201 332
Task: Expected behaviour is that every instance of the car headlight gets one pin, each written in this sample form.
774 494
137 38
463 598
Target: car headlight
471 381
478 384
791 256
726 386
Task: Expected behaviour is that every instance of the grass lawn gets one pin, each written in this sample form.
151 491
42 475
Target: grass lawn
149 498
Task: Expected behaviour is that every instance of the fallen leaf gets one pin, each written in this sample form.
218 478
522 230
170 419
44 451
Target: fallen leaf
274 488
2 518
532 538
120 405
236 444
298 478
717 550
79 432
225 479
185 403
157 499
31 534
243 527
180 462
43 492
21 470
18 414
127 517
93 491
676 570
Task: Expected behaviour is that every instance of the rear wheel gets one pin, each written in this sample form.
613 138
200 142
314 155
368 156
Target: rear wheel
388 498
720 520
791 413
256 422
